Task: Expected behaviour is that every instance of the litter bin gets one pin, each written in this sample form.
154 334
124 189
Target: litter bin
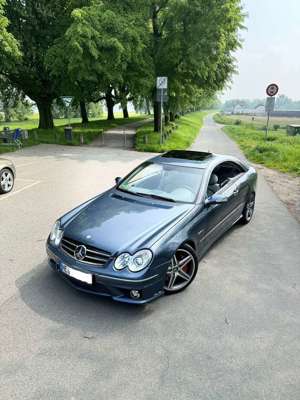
69 133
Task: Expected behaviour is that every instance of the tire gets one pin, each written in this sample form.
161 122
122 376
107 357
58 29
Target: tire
181 276
7 181
248 210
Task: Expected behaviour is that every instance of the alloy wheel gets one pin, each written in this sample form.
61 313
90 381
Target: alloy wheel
249 210
181 271
6 181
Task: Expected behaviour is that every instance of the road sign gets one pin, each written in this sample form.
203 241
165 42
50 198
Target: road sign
67 100
162 95
272 89
270 104
162 82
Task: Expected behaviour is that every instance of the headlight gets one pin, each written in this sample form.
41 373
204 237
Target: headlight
56 234
135 263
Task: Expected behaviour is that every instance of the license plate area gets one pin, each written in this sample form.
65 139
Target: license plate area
75 274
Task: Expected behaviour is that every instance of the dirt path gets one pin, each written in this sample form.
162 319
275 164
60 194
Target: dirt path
119 137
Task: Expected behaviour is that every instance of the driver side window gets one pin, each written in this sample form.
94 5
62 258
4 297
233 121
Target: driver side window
223 175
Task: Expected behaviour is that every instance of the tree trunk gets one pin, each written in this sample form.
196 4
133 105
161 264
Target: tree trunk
167 117
7 114
148 107
109 104
157 115
172 116
125 112
45 112
84 114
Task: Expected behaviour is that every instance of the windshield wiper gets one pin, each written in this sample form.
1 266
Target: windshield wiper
155 196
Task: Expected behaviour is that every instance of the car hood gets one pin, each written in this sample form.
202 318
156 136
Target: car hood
117 221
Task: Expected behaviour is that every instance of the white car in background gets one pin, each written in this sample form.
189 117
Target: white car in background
7 176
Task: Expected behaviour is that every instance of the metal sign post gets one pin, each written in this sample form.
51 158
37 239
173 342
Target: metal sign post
161 85
271 91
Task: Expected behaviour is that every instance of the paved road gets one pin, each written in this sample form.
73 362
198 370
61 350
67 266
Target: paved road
234 334
119 137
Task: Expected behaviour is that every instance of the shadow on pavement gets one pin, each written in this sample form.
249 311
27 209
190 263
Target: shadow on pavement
46 293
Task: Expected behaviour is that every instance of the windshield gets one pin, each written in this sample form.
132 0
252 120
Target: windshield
165 182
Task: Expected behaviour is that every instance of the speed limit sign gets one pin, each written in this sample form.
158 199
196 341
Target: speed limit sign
272 89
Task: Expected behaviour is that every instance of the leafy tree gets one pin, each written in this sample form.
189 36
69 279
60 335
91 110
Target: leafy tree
37 25
13 102
9 48
192 44
103 53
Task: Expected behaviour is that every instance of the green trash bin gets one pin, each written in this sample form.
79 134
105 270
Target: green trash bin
69 133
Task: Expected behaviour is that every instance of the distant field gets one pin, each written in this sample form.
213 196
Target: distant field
279 151
33 121
261 120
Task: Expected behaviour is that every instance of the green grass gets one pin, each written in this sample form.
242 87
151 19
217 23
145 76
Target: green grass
57 136
181 138
279 151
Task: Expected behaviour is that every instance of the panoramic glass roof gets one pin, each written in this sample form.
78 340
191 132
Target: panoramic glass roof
188 155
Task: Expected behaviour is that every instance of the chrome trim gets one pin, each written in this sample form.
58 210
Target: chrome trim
101 261
222 221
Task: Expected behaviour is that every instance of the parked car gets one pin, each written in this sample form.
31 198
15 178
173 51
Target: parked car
7 176
145 236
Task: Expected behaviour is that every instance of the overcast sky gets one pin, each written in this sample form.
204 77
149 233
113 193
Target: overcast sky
271 50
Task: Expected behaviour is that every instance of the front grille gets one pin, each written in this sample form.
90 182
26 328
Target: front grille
93 255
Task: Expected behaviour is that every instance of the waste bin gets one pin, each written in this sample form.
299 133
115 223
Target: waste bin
69 133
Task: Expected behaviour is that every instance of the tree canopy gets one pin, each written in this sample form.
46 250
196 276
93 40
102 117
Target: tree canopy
9 47
94 50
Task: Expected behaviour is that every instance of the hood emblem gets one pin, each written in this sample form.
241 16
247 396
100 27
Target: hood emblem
80 252
88 236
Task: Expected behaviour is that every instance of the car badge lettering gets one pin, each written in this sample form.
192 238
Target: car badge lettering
80 252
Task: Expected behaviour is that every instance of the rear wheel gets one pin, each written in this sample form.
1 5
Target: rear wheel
6 181
182 271
248 210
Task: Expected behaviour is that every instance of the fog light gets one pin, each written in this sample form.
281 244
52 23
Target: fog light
135 294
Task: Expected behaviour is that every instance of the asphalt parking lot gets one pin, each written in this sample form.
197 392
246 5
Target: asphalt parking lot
234 334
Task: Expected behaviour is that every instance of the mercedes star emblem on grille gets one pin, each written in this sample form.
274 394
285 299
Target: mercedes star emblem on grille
80 252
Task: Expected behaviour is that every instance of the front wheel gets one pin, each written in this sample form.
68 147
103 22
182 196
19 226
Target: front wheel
182 271
6 181
248 210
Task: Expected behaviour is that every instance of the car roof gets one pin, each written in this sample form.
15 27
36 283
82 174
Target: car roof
195 159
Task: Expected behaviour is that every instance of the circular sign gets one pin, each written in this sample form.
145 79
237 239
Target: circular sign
272 89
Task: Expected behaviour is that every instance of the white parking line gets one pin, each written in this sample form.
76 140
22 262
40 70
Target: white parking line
20 190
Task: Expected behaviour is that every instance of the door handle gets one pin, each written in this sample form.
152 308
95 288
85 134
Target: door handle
236 192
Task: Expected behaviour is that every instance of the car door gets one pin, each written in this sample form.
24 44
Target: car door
212 217
236 191
220 217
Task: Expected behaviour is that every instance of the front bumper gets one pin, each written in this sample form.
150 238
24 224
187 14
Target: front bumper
150 287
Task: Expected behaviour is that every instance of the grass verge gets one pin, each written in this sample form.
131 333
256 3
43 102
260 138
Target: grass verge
279 151
56 136
181 138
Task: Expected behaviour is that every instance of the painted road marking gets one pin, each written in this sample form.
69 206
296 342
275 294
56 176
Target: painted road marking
20 190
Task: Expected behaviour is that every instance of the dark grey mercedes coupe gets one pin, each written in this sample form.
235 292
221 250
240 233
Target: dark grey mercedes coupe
146 236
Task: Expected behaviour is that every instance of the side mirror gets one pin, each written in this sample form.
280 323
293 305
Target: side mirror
216 199
118 180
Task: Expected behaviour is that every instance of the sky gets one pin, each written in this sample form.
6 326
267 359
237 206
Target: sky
271 50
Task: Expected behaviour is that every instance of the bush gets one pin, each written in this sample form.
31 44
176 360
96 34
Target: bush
237 122
276 127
